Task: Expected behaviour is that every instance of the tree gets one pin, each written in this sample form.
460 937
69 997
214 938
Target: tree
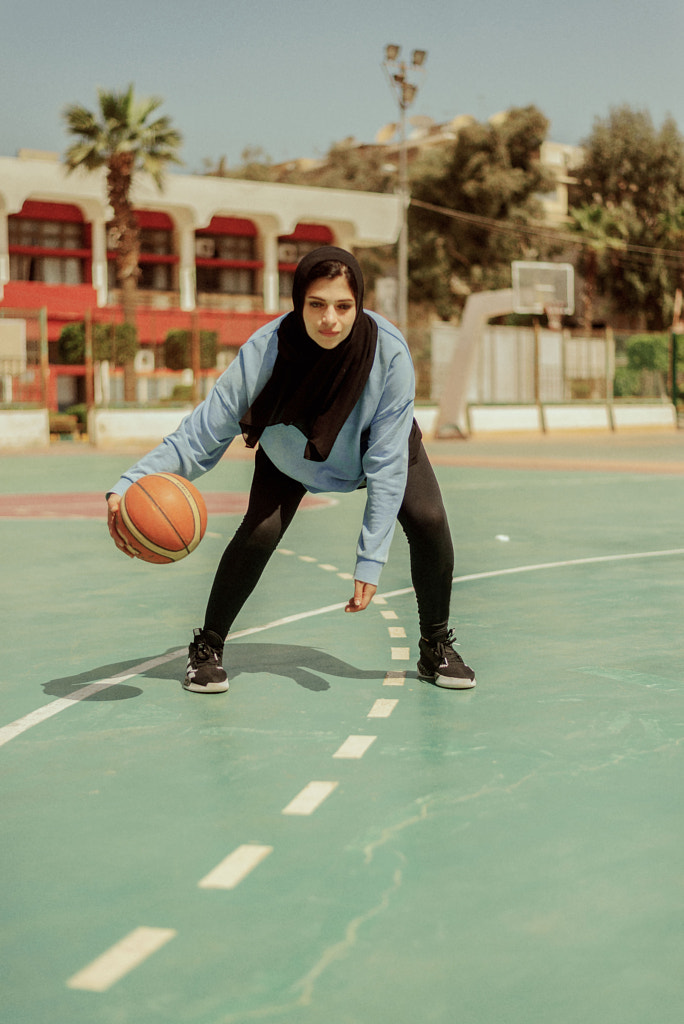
636 173
604 231
123 139
490 174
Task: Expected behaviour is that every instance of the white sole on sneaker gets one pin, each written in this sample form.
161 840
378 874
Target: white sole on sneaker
209 688
453 683
447 682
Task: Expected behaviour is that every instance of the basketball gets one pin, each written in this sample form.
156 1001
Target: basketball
163 517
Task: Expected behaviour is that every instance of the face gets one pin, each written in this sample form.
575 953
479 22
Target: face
329 311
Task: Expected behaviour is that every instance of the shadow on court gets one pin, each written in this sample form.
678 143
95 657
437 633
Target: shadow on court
306 666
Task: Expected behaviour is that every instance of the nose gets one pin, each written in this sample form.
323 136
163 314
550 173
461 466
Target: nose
329 315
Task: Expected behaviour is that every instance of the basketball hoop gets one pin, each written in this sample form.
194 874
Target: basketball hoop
554 315
541 287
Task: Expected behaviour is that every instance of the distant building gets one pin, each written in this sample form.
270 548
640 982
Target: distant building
424 134
223 247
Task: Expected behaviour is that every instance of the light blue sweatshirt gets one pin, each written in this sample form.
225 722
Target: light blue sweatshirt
384 410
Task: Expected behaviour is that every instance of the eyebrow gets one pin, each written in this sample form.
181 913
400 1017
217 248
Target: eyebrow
320 298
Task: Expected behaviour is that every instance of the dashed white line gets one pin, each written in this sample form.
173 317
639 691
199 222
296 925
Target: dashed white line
394 679
120 959
382 708
401 653
19 726
354 746
328 568
396 632
310 798
236 866
388 613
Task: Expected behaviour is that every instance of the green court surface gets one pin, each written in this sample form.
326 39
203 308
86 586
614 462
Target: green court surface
334 841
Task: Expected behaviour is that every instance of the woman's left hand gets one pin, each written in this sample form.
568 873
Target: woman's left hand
363 595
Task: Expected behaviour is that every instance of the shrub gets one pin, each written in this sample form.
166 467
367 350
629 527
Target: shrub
648 352
627 382
177 355
115 342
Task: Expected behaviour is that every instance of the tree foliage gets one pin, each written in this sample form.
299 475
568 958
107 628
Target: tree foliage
124 139
632 182
115 342
177 349
492 172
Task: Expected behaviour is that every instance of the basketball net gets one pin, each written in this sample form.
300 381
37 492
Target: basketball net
554 315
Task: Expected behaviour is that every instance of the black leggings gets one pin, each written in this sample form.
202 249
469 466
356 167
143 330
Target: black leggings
274 498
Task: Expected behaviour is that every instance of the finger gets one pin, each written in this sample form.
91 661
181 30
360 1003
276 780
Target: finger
363 595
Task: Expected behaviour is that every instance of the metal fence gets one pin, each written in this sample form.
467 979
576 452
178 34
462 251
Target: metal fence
516 365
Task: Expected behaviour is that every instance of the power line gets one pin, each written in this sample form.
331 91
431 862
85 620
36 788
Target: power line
618 248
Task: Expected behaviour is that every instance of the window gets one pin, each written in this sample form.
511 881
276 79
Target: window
48 242
45 234
291 248
225 257
224 280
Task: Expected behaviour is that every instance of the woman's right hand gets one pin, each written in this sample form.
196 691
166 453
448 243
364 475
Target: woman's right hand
113 502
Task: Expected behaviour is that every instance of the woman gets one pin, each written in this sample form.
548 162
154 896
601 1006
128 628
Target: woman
327 394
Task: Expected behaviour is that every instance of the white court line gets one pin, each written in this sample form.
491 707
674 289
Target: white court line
9 732
120 959
311 797
13 729
394 679
387 613
355 746
382 708
400 653
396 632
236 866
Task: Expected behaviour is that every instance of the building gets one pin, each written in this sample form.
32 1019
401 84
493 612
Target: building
220 250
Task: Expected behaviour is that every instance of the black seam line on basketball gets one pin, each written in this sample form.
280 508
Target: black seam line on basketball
172 555
181 485
158 506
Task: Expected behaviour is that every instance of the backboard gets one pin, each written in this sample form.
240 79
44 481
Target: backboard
538 286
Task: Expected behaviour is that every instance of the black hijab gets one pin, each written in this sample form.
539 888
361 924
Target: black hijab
313 388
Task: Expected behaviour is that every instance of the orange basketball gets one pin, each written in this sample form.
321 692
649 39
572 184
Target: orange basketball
163 517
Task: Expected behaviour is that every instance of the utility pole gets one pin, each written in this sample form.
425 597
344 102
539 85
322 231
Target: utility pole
397 73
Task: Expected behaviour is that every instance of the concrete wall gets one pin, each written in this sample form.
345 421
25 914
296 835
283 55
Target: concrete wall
24 428
119 428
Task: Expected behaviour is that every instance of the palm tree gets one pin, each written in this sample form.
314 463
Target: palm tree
604 230
123 139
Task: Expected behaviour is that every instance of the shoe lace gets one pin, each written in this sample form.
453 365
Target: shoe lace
203 652
445 648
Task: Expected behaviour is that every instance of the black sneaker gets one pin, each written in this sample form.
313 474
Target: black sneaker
205 672
440 664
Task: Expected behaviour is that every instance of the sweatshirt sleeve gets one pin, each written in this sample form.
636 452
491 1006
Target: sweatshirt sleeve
203 436
385 465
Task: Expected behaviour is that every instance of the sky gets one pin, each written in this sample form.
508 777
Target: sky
291 77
